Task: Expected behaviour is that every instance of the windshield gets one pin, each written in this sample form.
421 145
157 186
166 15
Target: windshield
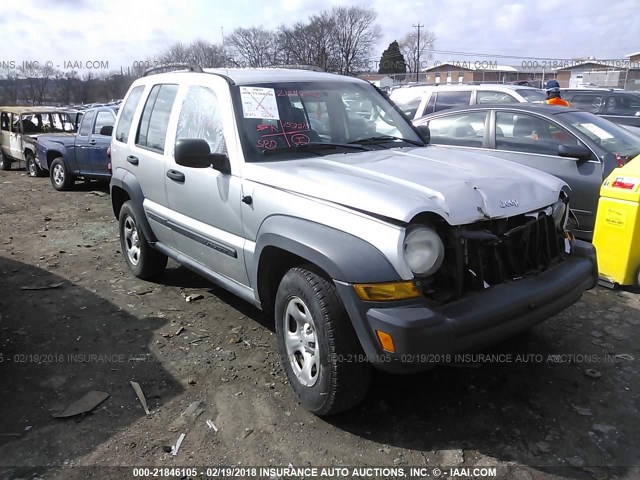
276 119
611 137
532 95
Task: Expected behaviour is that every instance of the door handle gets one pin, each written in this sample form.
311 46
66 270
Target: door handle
92 142
175 175
132 160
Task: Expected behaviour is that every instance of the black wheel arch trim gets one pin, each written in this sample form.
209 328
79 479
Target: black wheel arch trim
344 257
126 181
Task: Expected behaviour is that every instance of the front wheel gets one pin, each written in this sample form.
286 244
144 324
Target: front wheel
33 169
61 179
141 258
318 347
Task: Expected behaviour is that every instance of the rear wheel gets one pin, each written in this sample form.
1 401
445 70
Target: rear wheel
60 178
143 260
5 163
33 169
318 347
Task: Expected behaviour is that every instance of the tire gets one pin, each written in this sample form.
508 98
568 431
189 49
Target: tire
33 169
61 179
317 344
5 163
143 261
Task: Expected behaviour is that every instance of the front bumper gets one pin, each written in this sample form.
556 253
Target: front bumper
422 335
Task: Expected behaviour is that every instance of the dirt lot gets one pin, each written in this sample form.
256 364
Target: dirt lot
563 403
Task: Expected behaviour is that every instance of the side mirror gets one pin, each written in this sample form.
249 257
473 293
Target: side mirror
424 132
106 130
574 151
195 153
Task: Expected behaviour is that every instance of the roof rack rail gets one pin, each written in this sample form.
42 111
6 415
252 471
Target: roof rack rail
173 66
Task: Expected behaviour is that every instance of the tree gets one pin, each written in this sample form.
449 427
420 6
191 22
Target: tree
392 60
409 47
36 77
253 47
308 43
355 33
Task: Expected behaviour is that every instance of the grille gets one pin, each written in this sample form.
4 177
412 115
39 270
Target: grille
493 252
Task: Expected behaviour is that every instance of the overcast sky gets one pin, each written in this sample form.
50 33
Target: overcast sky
123 31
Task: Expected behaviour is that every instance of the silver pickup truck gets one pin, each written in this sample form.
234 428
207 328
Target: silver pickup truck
371 248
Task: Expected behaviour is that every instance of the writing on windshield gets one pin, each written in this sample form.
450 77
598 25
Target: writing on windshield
290 134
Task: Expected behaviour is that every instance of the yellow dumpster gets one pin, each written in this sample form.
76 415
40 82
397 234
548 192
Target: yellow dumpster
617 231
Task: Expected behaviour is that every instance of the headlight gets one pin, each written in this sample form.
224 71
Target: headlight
423 251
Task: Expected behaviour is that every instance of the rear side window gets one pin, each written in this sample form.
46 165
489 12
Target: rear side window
494 97
590 103
5 121
152 131
445 100
104 119
87 121
124 124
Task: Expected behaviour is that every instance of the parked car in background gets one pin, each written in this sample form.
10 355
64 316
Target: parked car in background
371 248
576 146
20 128
619 106
418 100
82 154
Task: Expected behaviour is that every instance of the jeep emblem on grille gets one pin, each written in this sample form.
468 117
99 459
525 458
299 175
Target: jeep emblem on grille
508 203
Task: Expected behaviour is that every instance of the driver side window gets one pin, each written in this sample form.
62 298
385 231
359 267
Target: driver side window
528 133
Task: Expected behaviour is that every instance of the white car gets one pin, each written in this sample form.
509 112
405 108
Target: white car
418 100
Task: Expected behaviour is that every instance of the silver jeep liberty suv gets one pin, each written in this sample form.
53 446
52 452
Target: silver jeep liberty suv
310 195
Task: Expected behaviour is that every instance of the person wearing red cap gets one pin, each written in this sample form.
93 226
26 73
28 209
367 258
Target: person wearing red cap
553 94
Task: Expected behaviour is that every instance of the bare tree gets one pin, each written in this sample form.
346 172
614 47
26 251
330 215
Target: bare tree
253 47
11 84
176 53
355 33
311 43
206 55
409 48
36 78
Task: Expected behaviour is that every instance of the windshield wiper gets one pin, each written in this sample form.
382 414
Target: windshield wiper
386 138
312 147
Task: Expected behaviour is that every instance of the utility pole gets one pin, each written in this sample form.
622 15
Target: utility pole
419 26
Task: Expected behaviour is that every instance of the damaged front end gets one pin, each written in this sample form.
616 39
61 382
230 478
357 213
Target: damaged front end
496 251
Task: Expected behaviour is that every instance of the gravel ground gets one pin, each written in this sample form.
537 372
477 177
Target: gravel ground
559 401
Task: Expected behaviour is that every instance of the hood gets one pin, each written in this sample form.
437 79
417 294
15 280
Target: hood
460 186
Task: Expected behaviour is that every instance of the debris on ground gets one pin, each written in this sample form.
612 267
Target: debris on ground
87 403
140 394
593 373
585 412
174 450
188 416
194 297
42 287
179 331
211 425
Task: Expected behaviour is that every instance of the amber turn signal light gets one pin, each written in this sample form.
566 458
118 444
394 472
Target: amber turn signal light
384 292
386 341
